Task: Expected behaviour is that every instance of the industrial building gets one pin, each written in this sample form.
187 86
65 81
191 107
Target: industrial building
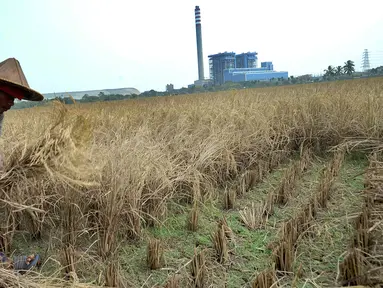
246 60
79 94
229 66
267 66
218 63
251 74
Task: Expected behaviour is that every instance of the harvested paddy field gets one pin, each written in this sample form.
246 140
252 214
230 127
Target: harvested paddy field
271 187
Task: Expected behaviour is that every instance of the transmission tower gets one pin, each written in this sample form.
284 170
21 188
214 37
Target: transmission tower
365 61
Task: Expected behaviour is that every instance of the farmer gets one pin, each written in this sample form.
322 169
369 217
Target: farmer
13 84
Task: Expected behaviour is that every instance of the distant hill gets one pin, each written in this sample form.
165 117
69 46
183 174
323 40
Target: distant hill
80 94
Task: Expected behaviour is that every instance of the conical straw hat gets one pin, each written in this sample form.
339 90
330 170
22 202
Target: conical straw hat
12 76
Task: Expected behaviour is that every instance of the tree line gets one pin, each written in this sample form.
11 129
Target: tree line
102 97
348 68
345 71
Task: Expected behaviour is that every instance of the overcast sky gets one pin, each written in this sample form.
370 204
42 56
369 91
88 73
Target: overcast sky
67 45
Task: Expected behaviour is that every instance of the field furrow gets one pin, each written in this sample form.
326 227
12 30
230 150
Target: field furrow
332 229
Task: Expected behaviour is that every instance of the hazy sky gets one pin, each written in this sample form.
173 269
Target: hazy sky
66 45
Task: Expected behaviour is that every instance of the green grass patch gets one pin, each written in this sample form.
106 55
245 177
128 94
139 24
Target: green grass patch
333 226
248 252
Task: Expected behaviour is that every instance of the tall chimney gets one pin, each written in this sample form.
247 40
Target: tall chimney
199 42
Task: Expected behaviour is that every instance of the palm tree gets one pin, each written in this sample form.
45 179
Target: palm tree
330 71
339 70
349 67
373 71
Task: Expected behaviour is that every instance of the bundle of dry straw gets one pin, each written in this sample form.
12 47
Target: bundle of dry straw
41 170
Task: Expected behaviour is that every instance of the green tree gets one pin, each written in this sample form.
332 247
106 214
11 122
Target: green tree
349 67
330 71
339 70
373 71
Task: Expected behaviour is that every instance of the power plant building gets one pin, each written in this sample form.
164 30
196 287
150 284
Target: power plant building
252 74
228 66
267 65
219 63
246 60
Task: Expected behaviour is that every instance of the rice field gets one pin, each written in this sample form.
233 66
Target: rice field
267 187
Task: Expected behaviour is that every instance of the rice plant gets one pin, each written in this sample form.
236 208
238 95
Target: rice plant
99 176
